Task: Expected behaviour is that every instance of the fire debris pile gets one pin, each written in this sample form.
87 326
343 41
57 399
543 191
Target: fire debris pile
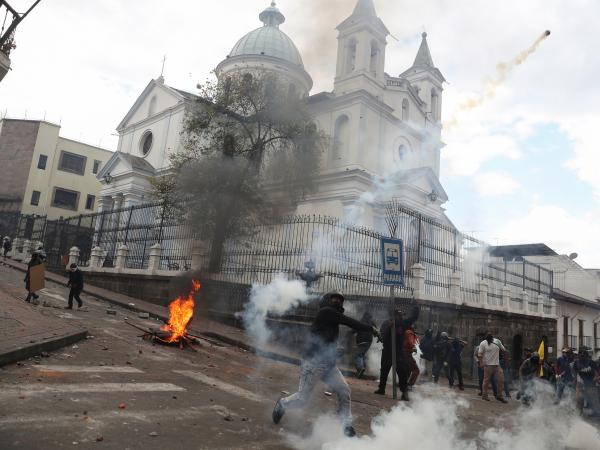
181 311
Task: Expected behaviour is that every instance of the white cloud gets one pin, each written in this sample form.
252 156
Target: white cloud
490 184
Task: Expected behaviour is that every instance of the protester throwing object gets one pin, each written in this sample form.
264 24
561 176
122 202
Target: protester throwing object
319 360
76 285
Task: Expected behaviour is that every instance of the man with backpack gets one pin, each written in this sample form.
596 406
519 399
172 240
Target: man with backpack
402 368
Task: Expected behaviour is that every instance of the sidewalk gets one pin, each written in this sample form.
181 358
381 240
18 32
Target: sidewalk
27 332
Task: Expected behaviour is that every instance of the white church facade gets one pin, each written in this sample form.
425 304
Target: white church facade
385 131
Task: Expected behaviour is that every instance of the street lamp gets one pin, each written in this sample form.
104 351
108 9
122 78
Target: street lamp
108 178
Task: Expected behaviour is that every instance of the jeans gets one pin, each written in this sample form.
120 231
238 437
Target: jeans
456 368
311 372
359 358
437 369
488 373
587 393
561 385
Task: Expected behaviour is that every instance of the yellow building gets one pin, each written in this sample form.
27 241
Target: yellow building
45 174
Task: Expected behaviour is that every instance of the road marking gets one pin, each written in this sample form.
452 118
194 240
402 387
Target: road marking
36 389
221 385
88 369
99 419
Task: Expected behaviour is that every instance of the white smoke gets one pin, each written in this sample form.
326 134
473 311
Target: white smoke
276 298
431 421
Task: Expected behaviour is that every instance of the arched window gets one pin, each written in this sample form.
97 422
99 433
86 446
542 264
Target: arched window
152 106
374 58
405 109
341 137
434 105
351 56
402 152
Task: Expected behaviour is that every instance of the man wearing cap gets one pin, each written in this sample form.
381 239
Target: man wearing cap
489 360
76 285
320 358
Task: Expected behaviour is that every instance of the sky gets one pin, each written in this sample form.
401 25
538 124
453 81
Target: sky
524 167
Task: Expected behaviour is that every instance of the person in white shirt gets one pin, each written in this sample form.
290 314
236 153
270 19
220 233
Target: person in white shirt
489 360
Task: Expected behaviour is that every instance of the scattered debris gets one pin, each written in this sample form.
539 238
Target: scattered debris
112 312
75 346
99 438
140 351
285 392
244 419
122 405
89 336
144 315
328 394
128 362
228 418
22 397
174 397
131 304
45 354
153 434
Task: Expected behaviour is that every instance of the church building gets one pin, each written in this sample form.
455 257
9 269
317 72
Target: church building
385 130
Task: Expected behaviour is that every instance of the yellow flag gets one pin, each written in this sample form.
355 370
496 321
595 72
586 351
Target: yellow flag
541 352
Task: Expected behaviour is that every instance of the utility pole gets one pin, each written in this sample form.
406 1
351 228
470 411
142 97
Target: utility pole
9 19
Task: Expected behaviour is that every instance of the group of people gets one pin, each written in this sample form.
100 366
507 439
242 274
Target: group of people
75 283
441 354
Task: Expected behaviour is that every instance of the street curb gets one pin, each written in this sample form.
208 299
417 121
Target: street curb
35 349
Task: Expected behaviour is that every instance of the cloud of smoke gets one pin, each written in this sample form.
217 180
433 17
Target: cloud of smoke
275 298
503 69
432 421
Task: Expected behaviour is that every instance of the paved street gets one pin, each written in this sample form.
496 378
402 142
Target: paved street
116 391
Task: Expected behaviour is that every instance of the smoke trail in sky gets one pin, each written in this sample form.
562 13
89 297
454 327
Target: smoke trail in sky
503 69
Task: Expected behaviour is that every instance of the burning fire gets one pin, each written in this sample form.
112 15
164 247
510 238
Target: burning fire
181 311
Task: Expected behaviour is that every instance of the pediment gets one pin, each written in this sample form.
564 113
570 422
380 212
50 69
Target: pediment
422 179
121 164
155 98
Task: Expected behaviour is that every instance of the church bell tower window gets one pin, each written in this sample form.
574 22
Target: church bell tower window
374 58
351 56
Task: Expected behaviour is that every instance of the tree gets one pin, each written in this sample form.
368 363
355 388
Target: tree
250 152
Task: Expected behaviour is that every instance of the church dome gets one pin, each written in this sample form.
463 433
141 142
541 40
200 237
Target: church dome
268 40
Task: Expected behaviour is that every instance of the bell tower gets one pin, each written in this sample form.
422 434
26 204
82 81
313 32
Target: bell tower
361 51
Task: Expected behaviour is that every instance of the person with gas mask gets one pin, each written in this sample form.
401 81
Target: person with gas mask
320 358
489 361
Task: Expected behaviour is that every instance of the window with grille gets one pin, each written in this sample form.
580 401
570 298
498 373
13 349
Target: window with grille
66 199
43 159
70 162
35 198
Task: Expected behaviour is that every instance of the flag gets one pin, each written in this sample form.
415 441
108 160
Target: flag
542 354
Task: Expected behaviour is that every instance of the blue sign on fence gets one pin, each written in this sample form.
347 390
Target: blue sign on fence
392 261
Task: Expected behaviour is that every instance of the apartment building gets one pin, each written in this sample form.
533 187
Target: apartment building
44 173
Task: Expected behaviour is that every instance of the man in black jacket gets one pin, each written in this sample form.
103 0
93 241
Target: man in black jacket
402 368
320 357
76 285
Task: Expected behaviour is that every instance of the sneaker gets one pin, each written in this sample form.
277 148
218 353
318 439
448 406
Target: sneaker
68 307
379 392
485 397
502 399
404 397
349 431
278 412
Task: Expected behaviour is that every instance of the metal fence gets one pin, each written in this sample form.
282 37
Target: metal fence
343 256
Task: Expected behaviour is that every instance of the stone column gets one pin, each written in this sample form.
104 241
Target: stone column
525 299
455 292
506 298
418 280
154 260
540 300
73 256
15 244
197 254
483 294
553 308
96 257
25 254
122 253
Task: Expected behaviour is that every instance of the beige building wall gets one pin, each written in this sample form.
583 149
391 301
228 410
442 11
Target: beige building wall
55 176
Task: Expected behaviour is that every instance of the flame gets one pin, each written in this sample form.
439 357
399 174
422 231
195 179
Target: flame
503 69
181 311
